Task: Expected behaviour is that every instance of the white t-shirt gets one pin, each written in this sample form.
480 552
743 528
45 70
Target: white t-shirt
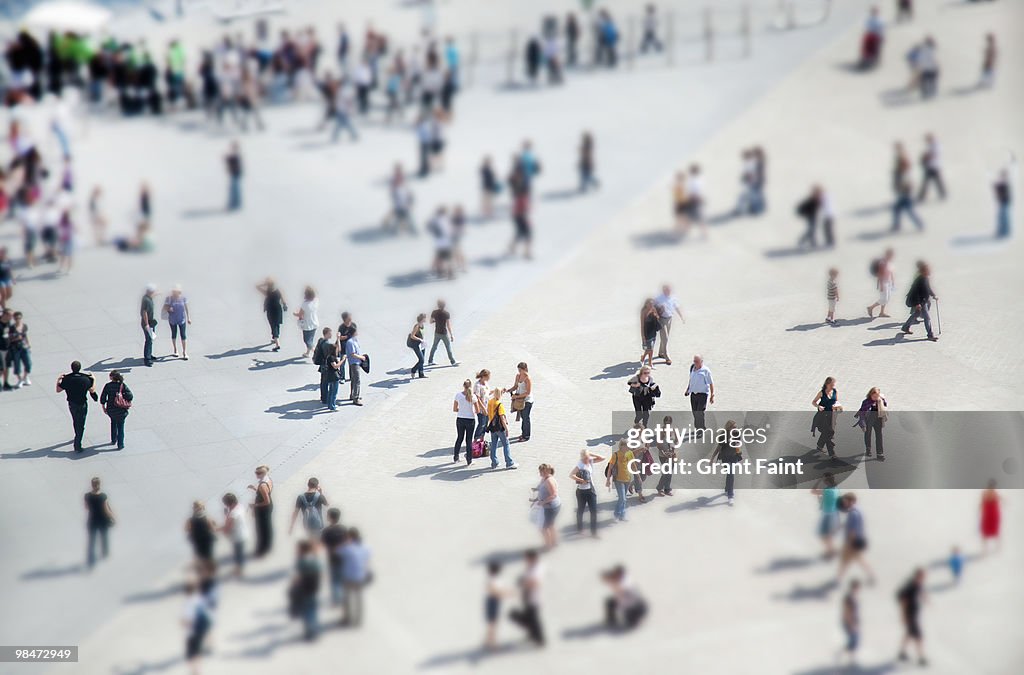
239 531
534 573
667 305
465 406
585 471
310 318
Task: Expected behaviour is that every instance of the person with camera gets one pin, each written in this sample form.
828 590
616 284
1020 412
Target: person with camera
76 385
116 398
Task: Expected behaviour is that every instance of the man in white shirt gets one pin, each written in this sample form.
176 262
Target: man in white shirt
667 307
701 391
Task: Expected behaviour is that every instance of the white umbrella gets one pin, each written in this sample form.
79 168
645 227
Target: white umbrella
71 15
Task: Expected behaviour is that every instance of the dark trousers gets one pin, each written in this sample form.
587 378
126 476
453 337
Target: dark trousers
931 176
117 429
665 482
264 529
417 368
147 346
630 617
96 532
698 404
323 389
525 417
78 413
873 424
586 499
904 204
464 430
826 431
641 414
424 159
810 234
528 618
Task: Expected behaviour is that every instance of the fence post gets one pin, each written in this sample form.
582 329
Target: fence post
709 36
630 41
512 49
745 28
670 38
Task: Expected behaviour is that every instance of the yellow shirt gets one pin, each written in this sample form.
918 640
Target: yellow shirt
620 460
494 407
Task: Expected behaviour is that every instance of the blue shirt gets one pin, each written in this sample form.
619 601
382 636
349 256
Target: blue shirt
352 347
700 381
176 310
854 523
355 562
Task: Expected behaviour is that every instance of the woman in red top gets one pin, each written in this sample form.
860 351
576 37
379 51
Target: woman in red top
989 516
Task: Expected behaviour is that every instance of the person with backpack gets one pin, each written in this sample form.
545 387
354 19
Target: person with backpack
910 597
311 505
919 300
617 471
115 399
497 424
201 531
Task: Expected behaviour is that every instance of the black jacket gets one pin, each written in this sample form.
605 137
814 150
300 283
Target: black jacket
920 291
107 398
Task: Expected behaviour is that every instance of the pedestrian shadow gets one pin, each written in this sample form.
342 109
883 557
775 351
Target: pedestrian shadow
265 578
262 631
788 563
194 214
804 327
869 211
437 452
298 410
491 261
657 239
966 240
124 365
561 195
570 534
42 276
504 557
466 473
411 279
150 596
373 234
793 251
624 369
52 452
886 326
840 323
898 339
473 655
898 98
306 387
151 667
259 364
800 593
607 439
391 383
875 235
426 470
852 669
697 504
52 572
310 146
242 351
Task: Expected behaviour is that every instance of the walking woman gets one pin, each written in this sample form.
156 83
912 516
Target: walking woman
990 516
586 164
522 399
650 324
275 307
583 474
465 420
644 390
824 420
871 417
201 531
666 455
828 498
489 188
414 341
116 399
617 471
263 509
548 499
730 453
681 203
100 518
480 402
178 317
309 319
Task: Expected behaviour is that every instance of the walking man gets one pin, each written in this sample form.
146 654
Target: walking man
76 385
1004 199
325 348
233 163
442 321
668 306
911 597
355 357
98 521
148 321
355 574
931 169
701 391
905 203
808 210
919 300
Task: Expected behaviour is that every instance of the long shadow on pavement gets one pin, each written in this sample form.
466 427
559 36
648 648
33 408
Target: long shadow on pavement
299 410
698 503
789 563
474 655
624 369
151 667
898 339
52 572
851 669
792 251
266 365
241 351
657 239
800 592
124 365
51 451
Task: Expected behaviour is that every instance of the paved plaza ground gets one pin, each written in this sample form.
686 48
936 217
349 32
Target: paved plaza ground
732 589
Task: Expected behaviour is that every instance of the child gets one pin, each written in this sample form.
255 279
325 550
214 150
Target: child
851 620
832 293
492 603
956 564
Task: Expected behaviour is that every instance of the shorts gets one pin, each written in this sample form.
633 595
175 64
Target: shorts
492 609
30 241
6 283
681 208
832 305
176 328
859 544
550 513
67 247
444 254
695 210
828 525
913 626
648 344
275 329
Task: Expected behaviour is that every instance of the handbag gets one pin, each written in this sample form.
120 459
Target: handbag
518 404
120 401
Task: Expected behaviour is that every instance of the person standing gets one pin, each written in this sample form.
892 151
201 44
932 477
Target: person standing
19 350
911 596
522 399
928 68
931 169
326 347
494 594
530 584
5 348
988 62
7 275
356 574
650 324
235 529
584 474
832 295
332 537
587 163
644 390
668 307
825 402
919 300
274 307
497 424
480 396
442 320
809 209
681 203
871 418
650 39
346 329
306 588
618 472
701 390
465 421
666 455
116 398
178 316
329 375
904 204
308 317
855 540
1004 201
197 618
356 360
310 504
851 620
885 281
695 200
149 322
201 532
547 499
263 510
414 341
76 385
99 518
233 164
990 516
489 188
828 500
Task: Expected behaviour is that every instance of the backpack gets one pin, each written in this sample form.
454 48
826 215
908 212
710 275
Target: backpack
318 353
875 266
311 514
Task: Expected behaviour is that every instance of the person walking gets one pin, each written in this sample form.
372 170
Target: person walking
587 163
344 106
832 295
235 529
465 421
116 398
617 471
850 620
197 618
310 505
148 321
730 453
356 574
497 424
910 597
414 341
308 316
919 300
828 501
99 519
5 348
263 510
547 499
809 209
701 390
305 589
19 350
274 306
871 418
201 530
494 593
522 399
1004 200
346 329
490 188
826 404
666 455
991 517
441 318
584 474
530 585
931 169
668 308
76 385
331 538
650 324
480 396
989 56
644 390
885 281
681 203
402 199
7 273
357 361
178 317
233 165
855 540
927 63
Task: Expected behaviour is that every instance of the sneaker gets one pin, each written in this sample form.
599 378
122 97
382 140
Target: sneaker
27 382
730 501
7 386
512 466
184 357
430 363
907 331
174 355
867 453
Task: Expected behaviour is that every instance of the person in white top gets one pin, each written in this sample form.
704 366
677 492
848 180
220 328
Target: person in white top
701 390
885 281
309 319
235 529
695 200
668 306
480 396
465 420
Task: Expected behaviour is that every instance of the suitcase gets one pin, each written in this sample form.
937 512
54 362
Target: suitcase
480 448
